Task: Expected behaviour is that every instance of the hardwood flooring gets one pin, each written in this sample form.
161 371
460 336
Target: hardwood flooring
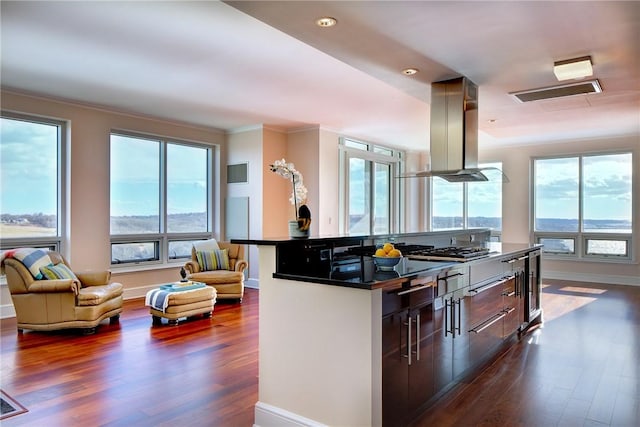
580 368
203 372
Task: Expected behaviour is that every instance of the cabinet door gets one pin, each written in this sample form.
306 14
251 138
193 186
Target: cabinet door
421 374
462 359
442 343
450 339
395 369
512 300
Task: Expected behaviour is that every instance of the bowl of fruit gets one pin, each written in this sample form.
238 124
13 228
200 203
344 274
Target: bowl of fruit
387 257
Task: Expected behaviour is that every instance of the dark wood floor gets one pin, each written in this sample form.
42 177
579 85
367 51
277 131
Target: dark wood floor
580 368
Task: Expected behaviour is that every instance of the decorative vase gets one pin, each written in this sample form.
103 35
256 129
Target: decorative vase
295 232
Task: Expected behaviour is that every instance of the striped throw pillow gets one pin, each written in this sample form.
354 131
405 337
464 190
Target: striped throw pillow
59 271
217 259
33 259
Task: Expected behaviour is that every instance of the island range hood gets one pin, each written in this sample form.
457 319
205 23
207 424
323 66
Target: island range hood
454 133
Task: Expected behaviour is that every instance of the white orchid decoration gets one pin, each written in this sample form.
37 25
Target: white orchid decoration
299 193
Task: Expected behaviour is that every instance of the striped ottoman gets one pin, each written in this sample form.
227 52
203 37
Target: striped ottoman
174 301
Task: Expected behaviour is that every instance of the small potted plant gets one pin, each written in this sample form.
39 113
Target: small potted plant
299 227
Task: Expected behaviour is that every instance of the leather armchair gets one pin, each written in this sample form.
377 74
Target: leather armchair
229 284
44 305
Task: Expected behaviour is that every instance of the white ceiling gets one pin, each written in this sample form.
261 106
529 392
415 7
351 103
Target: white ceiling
208 63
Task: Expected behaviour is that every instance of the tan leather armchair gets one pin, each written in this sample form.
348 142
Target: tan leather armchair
229 284
44 305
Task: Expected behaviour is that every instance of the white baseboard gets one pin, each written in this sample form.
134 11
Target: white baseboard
271 416
138 292
252 283
592 278
7 311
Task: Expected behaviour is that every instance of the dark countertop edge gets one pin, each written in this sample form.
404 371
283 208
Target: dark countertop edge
332 282
369 286
383 284
272 241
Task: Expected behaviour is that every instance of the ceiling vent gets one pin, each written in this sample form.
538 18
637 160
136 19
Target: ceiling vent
560 91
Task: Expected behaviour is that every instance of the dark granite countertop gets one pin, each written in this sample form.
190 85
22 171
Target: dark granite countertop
361 272
364 274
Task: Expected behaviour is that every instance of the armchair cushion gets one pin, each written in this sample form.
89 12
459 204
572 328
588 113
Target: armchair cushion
59 271
217 259
96 295
33 259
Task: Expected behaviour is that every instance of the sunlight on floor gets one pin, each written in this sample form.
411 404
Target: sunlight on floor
583 290
566 299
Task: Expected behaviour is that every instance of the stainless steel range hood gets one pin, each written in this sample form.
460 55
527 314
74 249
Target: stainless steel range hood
454 133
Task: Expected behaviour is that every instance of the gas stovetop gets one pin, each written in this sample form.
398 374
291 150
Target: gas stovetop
452 253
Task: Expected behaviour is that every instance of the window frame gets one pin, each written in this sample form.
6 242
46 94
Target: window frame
353 148
163 238
495 234
581 238
54 243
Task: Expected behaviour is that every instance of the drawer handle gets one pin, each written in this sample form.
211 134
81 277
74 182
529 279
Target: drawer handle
484 326
414 289
445 278
491 285
409 345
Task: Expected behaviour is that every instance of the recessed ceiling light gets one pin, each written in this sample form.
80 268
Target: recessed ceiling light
410 71
326 21
573 68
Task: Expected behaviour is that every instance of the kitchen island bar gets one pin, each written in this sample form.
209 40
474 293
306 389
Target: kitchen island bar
323 347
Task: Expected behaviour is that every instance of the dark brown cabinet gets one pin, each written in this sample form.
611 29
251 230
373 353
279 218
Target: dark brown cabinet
525 268
407 351
435 333
450 339
487 313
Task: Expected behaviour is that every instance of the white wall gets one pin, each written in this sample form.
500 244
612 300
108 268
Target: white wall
87 240
246 147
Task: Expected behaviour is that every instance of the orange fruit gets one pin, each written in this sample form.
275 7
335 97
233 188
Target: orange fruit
388 247
380 252
395 253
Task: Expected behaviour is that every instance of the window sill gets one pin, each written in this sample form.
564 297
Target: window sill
573 258
134 268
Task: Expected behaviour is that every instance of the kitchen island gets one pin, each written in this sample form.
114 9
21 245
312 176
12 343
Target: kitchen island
321 339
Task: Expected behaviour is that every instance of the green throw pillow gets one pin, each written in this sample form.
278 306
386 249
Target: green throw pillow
59 271
217 259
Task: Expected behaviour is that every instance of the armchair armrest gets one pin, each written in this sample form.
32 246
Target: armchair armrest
241 265
50 286
192 267
94 278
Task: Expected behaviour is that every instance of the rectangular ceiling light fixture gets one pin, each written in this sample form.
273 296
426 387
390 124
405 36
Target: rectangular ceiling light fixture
560 91
576 68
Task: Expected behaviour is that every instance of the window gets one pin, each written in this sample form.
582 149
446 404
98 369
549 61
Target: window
371 199
459 205
583 205
160 198
31 173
